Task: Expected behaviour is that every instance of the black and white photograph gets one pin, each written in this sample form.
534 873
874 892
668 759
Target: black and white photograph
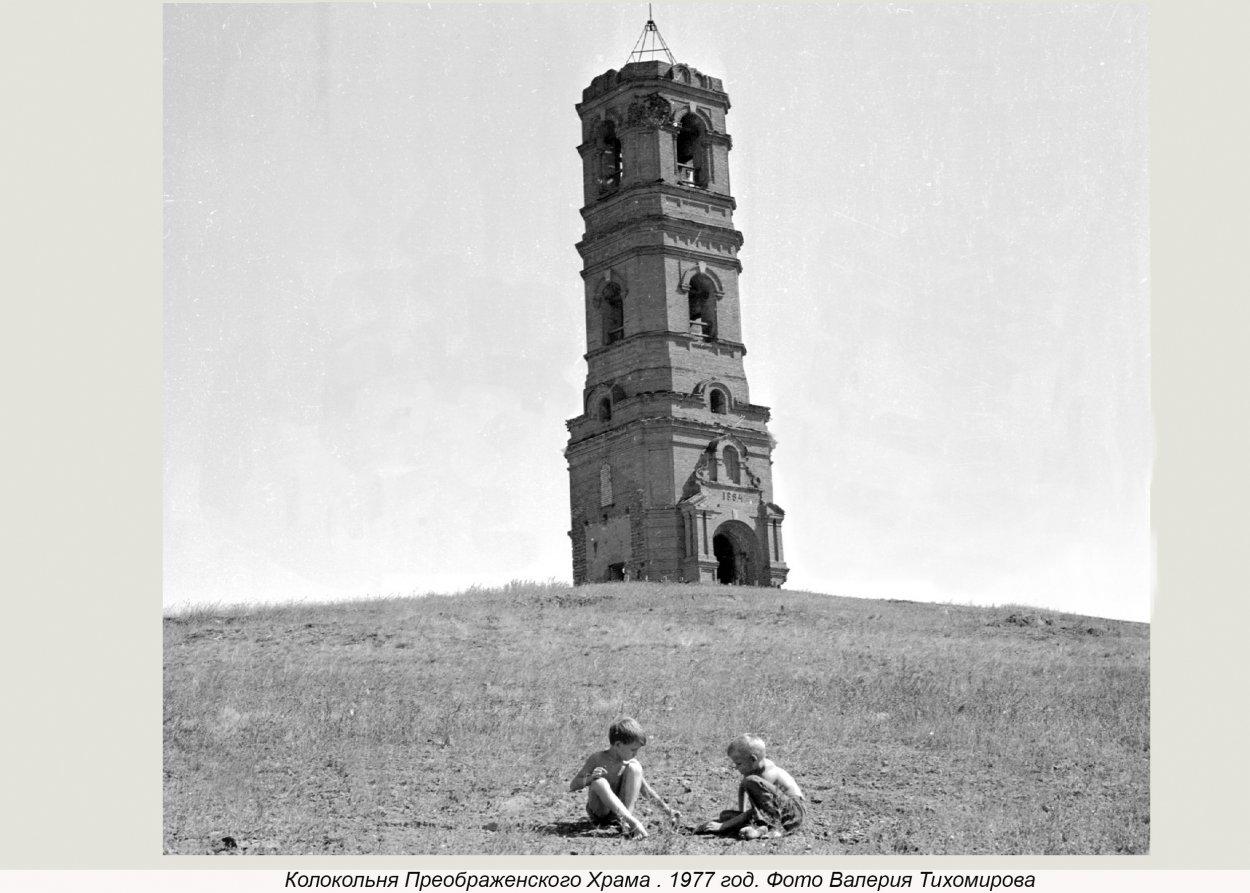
682 429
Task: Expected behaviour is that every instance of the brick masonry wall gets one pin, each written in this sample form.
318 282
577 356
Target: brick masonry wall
649 237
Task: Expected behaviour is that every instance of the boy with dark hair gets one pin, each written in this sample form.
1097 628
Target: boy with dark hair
613 779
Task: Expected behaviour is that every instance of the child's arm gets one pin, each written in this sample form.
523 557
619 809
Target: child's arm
587 774
786 782
650 792
732 825
745 813
729 826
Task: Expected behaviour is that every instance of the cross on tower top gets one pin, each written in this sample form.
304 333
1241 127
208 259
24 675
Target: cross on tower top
650 44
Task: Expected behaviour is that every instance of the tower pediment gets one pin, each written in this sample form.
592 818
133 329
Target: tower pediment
652 110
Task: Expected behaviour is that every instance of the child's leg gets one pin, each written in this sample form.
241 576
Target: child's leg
765 801
751 832
631 784
602 799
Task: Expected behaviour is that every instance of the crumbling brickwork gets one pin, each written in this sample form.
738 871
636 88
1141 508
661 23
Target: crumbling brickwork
670 464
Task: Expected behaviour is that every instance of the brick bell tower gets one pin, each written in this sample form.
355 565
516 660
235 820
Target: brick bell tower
670 464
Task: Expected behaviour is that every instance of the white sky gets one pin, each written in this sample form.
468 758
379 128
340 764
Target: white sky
373 311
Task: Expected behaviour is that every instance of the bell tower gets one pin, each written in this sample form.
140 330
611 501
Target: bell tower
670 463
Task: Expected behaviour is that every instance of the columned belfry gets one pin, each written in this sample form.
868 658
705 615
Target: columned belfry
670 464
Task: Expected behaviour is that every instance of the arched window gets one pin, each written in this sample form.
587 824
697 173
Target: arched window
692 157
731 465
702 295
717 402
613 313
608 152
605 410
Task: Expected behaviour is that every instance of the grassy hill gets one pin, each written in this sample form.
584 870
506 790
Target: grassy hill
452 724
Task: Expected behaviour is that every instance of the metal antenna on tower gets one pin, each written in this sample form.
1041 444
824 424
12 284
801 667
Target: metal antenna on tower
650 43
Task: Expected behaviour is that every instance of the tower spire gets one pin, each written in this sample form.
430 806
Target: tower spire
650 44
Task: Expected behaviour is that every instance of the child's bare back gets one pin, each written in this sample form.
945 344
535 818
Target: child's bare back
775 775
770 801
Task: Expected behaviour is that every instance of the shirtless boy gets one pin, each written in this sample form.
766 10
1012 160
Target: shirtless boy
613 779
770 802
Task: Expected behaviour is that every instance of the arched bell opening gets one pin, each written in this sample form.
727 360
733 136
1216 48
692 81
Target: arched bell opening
612 313
608 157
701 297
692 146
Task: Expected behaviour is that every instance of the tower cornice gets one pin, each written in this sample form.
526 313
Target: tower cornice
736 349
612 260
755 435
678 78
609 204
650 226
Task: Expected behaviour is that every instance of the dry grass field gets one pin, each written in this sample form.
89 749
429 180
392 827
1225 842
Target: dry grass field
452 724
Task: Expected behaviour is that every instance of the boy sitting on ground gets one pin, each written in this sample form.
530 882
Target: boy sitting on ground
770 803
613 779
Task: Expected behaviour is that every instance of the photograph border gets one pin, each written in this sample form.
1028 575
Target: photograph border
81 664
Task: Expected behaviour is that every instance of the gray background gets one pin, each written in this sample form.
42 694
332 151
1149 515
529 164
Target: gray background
84 449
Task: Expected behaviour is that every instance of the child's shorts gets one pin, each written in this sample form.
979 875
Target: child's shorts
600 821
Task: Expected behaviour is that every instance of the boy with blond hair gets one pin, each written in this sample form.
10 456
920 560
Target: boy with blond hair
770 802
613 779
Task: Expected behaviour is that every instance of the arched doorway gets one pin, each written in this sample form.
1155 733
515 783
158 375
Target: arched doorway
726 566
735 549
